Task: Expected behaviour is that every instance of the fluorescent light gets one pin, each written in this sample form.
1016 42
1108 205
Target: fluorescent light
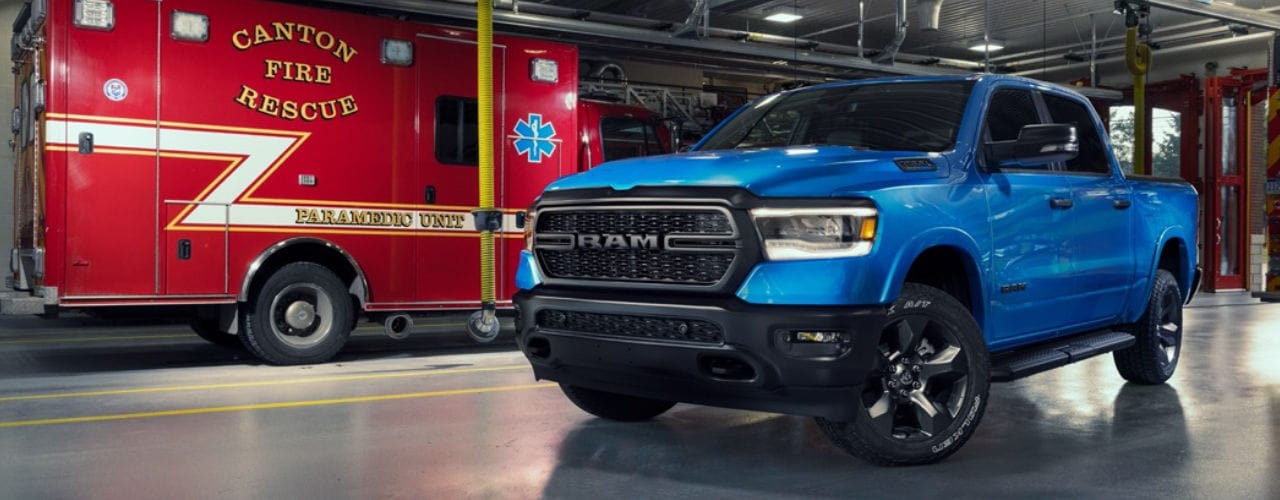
784 17
991 46
782 14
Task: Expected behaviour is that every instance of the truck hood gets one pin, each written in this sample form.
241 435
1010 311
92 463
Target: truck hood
772 172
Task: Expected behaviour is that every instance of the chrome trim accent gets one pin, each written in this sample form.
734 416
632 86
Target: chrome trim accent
360 284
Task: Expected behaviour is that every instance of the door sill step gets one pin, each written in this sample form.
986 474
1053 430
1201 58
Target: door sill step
1030 360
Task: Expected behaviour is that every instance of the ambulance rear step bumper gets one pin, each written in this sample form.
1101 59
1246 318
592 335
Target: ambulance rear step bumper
14 303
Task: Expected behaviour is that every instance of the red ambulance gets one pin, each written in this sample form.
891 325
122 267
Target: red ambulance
281 170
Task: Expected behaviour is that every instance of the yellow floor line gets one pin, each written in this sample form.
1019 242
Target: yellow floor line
268 406
96 339
186 336
260 383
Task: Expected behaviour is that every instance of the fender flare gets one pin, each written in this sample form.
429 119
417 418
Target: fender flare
359 285
933 238
1184 281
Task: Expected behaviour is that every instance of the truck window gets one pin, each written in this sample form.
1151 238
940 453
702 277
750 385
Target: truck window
1009 111
922 116
1093 155
457 126
627 137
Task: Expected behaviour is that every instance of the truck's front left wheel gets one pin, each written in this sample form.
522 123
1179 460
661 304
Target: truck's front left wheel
928 390
302 314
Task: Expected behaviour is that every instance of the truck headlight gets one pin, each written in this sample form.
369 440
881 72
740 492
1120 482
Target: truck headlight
815 233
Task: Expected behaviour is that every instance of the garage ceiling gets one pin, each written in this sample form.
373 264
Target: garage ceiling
1034 34
1025 27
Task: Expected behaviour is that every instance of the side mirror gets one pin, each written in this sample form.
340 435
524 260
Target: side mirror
1036 145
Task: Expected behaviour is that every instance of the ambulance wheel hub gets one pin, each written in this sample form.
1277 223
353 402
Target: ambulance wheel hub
300 315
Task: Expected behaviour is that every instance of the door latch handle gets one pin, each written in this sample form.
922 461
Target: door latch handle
429 195
1121 204
85 143
1062 203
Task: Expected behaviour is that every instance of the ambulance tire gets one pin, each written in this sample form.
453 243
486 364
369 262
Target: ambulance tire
301 315
208 329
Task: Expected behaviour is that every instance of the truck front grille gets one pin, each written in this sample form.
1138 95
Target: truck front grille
640 327
674 246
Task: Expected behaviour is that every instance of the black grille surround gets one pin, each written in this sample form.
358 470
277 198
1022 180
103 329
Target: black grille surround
676 246
637 327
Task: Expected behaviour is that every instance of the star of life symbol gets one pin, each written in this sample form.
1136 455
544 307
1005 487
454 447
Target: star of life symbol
534 139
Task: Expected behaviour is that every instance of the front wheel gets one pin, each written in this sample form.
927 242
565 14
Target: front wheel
1153 358
301 315
927 392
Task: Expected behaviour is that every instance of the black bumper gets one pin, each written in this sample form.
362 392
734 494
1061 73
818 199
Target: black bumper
751 365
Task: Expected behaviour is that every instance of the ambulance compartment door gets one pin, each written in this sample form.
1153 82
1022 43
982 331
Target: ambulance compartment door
109 136
448 246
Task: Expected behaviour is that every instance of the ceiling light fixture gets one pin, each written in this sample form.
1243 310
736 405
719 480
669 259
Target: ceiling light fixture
782 14
991 45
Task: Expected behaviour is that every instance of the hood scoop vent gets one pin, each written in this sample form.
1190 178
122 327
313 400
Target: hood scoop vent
916 165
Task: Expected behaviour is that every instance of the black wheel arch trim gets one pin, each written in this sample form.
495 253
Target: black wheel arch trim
359 286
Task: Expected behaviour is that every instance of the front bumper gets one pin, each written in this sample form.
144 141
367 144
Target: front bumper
751 365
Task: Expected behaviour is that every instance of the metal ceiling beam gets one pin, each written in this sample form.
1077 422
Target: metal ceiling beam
1162 52
722 41
1219 10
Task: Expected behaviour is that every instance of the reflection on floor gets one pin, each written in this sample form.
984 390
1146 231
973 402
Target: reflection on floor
129 409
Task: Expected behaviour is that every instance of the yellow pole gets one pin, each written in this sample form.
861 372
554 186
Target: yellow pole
1138 57
484 324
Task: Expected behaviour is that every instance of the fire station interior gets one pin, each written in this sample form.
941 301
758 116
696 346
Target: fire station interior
112 400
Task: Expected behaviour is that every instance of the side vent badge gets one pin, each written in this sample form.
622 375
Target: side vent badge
916 165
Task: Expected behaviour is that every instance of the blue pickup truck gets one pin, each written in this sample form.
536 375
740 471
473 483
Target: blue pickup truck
869 253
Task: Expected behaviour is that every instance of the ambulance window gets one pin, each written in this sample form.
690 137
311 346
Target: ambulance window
627 137
457 141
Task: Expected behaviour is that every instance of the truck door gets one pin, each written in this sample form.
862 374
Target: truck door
110 135
448 249
1100 230
1031 253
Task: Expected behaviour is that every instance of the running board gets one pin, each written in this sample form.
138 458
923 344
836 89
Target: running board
1034 359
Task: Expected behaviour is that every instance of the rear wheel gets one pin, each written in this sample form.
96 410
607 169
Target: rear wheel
614 406
302 314
1154 357
928 391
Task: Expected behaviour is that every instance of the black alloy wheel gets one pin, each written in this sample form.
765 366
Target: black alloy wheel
926 393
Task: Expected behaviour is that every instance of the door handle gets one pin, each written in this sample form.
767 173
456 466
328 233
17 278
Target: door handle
1121 204
1062 203
429 195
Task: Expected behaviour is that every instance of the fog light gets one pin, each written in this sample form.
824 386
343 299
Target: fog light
817 336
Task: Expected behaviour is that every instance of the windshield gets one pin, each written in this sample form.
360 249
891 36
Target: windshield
920 116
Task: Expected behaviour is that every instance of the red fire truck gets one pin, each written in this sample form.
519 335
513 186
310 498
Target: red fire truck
281 170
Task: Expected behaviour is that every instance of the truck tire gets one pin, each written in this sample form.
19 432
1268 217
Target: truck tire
614 406
301 315
1153 358
208 329
928 390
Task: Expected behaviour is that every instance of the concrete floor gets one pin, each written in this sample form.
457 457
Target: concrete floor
127 410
